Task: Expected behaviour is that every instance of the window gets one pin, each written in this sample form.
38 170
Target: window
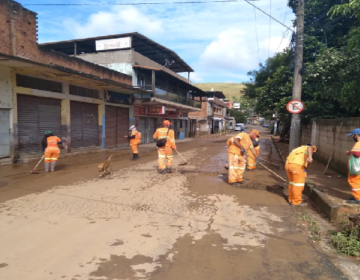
36 83
85 92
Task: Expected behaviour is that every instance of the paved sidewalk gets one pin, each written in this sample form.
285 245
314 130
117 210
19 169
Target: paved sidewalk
329 191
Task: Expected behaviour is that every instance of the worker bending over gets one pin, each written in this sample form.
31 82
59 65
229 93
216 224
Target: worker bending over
135 140
237 147
354 180
165 137
296 168
50 146
251 161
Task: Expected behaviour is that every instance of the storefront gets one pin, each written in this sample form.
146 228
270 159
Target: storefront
117 111
149 118
35 116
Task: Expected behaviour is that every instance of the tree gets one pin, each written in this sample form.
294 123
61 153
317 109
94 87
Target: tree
240 117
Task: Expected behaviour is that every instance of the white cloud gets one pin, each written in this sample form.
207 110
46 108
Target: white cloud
115 21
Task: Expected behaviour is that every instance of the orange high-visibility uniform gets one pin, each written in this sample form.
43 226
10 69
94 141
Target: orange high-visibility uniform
135 142
52 150
165 153
354 181
251 159
237 161
296 168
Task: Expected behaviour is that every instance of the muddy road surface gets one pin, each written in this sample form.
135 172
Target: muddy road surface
138 224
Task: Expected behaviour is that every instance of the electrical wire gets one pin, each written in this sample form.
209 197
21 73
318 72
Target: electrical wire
278 21
135 4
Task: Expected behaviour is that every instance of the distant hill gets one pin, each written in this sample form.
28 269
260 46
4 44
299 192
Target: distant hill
231 90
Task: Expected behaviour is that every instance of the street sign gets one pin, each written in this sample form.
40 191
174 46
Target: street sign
295 106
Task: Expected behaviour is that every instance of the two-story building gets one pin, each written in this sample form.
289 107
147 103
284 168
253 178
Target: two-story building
153 68
88 104
212 117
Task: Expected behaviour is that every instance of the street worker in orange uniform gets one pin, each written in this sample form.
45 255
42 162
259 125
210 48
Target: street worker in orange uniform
165 152
296 168
354 181
251 161
237 147
135 140
50 146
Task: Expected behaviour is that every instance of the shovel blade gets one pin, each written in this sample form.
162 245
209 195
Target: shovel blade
183 163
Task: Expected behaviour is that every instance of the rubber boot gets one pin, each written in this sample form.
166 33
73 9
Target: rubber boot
162 171
53 164
136 156
168 169
47 166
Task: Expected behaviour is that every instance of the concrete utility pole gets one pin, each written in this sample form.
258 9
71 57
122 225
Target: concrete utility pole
295 129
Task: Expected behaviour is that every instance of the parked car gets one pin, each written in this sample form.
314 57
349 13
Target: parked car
267 125
239 127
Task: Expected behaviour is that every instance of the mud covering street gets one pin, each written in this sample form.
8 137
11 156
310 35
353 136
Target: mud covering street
138 224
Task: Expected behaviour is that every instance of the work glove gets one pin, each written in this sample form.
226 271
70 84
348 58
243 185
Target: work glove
242 150
258 160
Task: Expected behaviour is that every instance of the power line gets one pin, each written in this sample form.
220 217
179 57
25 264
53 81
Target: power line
248 1
136 4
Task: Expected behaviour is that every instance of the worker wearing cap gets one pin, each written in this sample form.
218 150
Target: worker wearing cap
135 140
296 170
165 153
251 160
354 181
237 147
50 147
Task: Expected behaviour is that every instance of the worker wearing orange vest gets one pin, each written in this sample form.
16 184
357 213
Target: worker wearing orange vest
354 181
296 168
135 140
237 147
165 153
251 161
52 151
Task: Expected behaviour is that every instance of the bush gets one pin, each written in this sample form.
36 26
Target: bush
347 242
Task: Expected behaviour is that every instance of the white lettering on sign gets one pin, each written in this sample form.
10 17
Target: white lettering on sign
111 44
168 109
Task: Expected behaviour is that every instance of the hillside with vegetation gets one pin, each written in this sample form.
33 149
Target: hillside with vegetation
232 91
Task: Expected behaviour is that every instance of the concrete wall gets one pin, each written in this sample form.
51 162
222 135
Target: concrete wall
120 61
5 87
323 134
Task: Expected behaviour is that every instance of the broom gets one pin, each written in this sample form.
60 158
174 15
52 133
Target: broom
34 170
185 162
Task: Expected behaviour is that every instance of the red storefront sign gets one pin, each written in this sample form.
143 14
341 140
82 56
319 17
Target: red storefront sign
158 110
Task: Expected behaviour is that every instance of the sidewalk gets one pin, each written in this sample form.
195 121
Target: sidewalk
328 192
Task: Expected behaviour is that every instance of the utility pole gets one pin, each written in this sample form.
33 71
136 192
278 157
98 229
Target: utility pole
295 129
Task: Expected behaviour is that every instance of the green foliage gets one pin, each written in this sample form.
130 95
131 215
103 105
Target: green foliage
351 8
240 117
311 225
331 66
347 242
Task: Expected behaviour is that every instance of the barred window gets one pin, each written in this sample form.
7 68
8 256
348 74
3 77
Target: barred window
85 92
36 83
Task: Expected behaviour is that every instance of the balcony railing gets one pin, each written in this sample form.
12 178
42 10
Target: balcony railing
169 96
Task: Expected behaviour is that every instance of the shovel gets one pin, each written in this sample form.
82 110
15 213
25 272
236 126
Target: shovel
34 170
185 162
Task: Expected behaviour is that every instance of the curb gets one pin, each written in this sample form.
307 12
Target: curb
324 205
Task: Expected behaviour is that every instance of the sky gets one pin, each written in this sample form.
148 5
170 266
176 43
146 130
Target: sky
220 41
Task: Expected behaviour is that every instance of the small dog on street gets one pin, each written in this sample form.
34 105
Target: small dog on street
104 166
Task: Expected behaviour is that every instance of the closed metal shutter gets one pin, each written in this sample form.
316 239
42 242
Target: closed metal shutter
110 126
84 124
143 129
153 127
35 116
4 133
122 125
116 126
